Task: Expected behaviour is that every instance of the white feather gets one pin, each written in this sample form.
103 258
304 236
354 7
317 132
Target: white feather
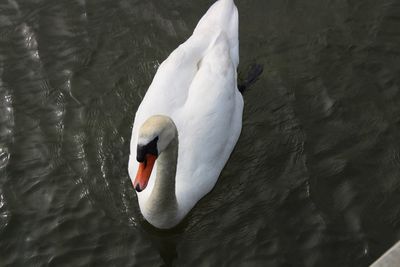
196 87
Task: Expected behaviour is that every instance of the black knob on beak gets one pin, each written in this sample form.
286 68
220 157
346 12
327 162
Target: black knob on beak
143 150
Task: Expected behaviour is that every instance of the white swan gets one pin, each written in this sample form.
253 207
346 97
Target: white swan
189 120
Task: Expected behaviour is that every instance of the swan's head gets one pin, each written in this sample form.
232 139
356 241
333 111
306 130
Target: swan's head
155 135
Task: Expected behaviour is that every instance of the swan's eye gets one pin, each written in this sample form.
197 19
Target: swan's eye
149 148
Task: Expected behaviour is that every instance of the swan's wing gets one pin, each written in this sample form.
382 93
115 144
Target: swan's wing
169 88
209 125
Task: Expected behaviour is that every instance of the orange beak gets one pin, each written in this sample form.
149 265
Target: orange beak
144 172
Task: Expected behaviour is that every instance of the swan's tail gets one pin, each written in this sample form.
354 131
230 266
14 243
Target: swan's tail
253 75
222 16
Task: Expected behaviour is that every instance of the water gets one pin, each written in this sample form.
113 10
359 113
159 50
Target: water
313 181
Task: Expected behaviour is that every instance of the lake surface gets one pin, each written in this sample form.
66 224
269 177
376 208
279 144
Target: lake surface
314 179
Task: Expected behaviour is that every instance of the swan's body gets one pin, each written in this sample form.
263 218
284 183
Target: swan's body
195 91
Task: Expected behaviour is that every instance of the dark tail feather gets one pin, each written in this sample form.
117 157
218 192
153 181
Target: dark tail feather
253 74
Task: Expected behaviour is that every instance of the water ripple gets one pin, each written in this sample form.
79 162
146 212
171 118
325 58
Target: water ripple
313 180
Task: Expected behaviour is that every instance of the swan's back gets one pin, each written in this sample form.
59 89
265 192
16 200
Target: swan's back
209 125
196 87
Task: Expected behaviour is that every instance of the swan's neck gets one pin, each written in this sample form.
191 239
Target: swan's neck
162 206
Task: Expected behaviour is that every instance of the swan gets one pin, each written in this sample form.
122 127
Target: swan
189 120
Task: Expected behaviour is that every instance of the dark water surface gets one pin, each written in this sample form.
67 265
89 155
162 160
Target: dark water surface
313 181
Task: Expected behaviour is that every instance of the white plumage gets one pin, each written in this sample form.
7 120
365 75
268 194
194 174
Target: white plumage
196 86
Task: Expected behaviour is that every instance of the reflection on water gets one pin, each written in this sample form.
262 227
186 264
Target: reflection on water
312 182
